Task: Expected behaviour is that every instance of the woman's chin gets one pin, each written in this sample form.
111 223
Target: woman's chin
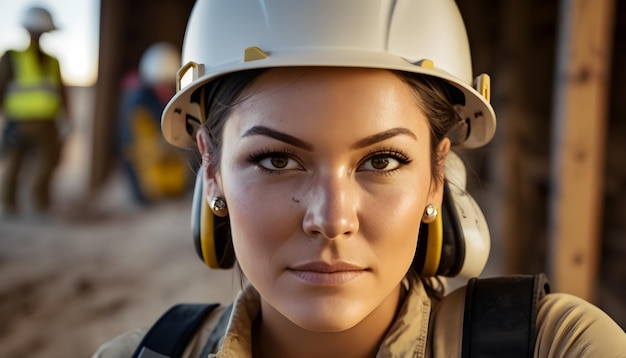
327 317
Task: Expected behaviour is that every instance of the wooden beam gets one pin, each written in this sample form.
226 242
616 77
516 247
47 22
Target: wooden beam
510 157
581 96
112 15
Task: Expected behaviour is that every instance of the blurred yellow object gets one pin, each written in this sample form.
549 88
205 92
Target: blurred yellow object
162 170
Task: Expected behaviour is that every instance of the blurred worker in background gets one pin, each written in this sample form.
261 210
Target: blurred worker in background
33 102
154 168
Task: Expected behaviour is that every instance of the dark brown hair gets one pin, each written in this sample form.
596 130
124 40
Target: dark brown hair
436 100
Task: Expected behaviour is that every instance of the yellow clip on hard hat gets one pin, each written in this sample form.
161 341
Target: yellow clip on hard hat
419 36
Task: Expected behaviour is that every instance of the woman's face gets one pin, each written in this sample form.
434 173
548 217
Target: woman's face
326 173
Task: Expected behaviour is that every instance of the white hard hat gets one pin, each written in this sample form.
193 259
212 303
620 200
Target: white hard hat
419 36
159 63
37 19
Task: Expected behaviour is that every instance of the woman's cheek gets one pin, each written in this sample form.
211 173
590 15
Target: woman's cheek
397 219
259 223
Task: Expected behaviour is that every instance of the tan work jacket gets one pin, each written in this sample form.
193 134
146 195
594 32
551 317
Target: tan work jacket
566 327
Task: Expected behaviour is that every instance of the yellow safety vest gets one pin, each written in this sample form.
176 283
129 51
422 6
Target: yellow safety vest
35 91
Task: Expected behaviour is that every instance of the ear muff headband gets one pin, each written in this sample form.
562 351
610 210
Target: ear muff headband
433 246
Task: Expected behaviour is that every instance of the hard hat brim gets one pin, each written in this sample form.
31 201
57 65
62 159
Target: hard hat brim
476 109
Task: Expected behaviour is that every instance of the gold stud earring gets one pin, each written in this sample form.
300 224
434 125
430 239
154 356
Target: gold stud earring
430 213
218 205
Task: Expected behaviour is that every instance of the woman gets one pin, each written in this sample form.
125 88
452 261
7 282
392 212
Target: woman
323 128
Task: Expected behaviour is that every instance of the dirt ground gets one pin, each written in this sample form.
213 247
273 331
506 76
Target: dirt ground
90 272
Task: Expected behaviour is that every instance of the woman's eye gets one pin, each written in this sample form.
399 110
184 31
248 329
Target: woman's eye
380 163
278 162
384 161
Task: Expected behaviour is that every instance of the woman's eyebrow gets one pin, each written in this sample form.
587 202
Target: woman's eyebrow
367 141
283 137
379 137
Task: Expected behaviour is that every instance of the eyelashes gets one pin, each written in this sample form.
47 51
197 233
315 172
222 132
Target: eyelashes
380 161
274 161
384 161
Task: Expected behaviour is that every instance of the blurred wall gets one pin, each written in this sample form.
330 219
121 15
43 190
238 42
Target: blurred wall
515 42
613 266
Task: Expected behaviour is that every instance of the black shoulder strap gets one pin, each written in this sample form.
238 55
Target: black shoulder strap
169 336
500 316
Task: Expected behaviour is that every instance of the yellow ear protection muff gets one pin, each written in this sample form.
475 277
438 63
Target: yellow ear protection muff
440 248
211 233
457 242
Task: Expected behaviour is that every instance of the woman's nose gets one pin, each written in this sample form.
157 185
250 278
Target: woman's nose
332 209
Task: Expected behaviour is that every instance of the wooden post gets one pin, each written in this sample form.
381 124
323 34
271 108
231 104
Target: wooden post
112 17
509 170
581 96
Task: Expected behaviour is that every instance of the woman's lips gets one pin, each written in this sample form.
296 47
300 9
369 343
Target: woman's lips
328 274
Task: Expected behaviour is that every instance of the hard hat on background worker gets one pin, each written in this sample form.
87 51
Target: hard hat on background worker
159 63
418 36
36 19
